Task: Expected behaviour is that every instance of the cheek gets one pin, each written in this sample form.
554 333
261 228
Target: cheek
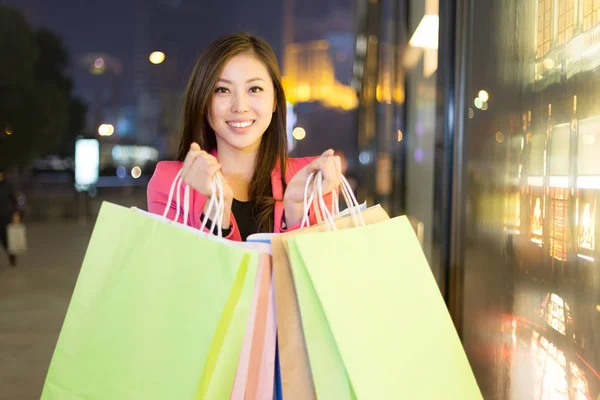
264 106
219 108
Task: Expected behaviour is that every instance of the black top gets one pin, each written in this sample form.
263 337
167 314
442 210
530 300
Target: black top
244 217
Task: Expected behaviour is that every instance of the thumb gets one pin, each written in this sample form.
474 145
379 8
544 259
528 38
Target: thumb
327 153
195 147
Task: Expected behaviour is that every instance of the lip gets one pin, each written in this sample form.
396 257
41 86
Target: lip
238 128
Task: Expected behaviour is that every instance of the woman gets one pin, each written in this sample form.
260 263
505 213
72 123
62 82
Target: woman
234 124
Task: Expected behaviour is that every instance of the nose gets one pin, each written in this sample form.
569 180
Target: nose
240 103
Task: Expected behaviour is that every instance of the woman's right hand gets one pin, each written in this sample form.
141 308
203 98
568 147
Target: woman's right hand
199 169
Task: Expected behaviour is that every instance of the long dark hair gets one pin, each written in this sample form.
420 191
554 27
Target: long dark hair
196 110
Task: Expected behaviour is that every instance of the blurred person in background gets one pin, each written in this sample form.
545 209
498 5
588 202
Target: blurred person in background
234 125
8 213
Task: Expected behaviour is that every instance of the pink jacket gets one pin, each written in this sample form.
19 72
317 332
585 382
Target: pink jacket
160 184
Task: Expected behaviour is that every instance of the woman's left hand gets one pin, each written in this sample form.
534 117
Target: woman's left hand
293 198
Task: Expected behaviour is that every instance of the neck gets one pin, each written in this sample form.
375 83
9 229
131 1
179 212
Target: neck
238 168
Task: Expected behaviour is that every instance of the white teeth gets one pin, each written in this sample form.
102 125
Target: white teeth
240 124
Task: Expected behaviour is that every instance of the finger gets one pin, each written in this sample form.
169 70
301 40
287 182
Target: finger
327 153
330 176
191 159
210 160
212 170
204 164
195 147
317 164
338 165
187 163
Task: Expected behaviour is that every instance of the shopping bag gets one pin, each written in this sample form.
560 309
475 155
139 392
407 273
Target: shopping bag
17 239
295 370
255 370
387 317
152 305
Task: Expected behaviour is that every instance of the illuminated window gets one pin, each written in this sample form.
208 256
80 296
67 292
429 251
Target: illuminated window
553 312
559 204
544 27
565 20
591 13
586 220
579 383
537 219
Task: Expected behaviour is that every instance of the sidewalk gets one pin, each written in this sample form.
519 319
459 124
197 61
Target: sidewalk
34 298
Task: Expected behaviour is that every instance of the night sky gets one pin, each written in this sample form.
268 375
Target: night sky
123 28
180 28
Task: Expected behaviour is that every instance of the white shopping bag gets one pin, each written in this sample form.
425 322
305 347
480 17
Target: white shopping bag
17 239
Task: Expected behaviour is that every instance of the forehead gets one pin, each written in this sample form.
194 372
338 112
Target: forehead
243 67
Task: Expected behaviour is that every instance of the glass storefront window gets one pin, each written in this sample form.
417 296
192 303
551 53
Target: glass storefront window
538 60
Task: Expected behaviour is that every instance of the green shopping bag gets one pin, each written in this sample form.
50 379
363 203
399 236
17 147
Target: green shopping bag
156 308
387 317
329 375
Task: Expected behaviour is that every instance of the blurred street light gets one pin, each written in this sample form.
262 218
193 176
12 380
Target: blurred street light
299 133
484 96
98 67
157 57
8 130
136 172
106 130
478 103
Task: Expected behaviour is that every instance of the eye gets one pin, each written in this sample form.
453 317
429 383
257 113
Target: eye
256 89
221 89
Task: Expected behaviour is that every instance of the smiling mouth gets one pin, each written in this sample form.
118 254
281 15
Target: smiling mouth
240 124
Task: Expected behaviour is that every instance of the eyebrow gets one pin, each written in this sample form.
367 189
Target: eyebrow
248 81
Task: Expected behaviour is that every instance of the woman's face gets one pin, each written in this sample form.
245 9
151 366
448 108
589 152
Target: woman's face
243 103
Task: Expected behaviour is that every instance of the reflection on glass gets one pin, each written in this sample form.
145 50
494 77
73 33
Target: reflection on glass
512 216
537 229
556 312
545 83
586 217
544 23
591 13
558 223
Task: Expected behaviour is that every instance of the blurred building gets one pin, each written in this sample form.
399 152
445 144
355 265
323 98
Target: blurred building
309 75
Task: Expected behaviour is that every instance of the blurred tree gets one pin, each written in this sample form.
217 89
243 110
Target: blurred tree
38 113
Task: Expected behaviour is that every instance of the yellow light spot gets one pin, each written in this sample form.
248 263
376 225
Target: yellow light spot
499 137
8 130
400 135
299 133
106 130
484 95
548 63
157 57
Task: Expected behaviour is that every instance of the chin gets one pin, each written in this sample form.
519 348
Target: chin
243 144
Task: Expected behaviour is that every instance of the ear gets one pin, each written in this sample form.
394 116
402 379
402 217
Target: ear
274 105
